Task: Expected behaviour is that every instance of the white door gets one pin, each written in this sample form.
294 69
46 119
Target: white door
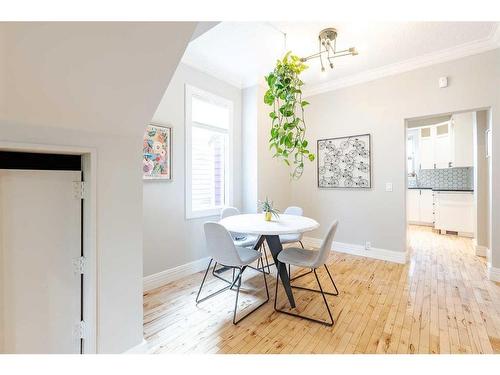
426 206
40 219
412 205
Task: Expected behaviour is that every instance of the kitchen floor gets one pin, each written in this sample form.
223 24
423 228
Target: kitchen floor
439 302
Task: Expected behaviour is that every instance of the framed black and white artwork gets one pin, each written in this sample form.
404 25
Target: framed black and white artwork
344 162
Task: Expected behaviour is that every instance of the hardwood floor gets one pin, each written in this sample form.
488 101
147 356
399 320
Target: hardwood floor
439 302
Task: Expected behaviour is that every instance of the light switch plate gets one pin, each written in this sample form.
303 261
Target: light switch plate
388 186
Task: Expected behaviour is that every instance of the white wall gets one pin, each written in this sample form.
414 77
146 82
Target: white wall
249 142
481 179
97 85
264 176
380 107
169 238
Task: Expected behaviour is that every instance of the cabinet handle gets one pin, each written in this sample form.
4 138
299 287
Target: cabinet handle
434 165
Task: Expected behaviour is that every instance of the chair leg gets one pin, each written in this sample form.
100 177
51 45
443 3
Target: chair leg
261 262
239 277
222 269
336 293
230 286
327 323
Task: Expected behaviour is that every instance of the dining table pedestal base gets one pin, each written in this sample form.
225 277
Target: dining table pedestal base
275 246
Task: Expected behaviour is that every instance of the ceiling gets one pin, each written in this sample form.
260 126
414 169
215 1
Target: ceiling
241 53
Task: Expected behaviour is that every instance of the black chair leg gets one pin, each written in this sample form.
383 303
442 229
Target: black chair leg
236 321
230 286
336 293
327 323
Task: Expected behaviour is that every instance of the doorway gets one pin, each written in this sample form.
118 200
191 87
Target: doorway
447 176
42 253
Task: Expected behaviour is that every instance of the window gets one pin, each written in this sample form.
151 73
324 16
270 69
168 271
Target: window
208 149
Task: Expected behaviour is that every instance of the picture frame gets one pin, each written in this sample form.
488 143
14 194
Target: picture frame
157 152
344 162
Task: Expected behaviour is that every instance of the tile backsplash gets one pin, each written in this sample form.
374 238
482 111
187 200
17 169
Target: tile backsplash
461 178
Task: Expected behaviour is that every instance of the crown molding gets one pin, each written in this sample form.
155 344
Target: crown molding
450 54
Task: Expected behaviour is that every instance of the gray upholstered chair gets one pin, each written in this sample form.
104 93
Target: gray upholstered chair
222 250
244 239
313 260
293 238
240 239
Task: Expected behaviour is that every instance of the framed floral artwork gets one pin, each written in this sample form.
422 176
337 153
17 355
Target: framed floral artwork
157 150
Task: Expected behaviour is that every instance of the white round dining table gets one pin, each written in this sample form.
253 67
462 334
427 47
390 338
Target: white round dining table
270 231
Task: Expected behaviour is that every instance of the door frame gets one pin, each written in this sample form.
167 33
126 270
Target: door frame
405 124
89 235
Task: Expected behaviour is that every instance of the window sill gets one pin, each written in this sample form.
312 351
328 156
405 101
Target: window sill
213 212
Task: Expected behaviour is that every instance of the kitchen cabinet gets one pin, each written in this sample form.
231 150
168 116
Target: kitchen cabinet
419 206
454 212
436 147
463 135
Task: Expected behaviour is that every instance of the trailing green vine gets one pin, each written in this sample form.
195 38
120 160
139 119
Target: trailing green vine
288 128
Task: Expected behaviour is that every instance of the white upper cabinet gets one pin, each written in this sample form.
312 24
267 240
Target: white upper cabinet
463 145
443 155
436 146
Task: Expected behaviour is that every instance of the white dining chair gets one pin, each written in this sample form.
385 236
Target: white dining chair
243 239
293 238
313 260
222 250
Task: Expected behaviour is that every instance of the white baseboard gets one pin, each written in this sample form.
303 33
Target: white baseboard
481 251
164 277
375 253
141 348
493 273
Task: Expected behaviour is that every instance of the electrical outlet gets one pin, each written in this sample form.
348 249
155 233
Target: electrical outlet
368 245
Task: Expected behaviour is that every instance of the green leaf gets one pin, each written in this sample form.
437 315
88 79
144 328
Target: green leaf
269 97
311 157
303 103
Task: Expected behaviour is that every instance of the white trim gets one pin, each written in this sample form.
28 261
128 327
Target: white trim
375 253
493 273
164 277
449 54
480 250
91 286
141 348
191 91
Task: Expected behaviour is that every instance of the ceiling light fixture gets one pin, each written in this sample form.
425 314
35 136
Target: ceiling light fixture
327 39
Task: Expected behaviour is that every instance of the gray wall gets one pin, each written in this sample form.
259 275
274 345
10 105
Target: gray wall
380 107
170 239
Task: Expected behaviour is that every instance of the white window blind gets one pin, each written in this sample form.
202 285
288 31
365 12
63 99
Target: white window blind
208 125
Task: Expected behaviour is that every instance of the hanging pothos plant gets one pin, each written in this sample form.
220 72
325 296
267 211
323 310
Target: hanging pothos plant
288 129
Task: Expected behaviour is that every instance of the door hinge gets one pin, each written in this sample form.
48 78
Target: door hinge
80 330
79 264
80 189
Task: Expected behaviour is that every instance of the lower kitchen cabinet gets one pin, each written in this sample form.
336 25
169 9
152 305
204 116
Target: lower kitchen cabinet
454 212
419 206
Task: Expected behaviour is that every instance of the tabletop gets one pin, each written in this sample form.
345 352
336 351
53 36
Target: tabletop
255 224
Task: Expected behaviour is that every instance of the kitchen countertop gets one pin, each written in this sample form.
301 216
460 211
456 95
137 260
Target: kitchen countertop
437 189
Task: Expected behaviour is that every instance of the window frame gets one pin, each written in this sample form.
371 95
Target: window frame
190 92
